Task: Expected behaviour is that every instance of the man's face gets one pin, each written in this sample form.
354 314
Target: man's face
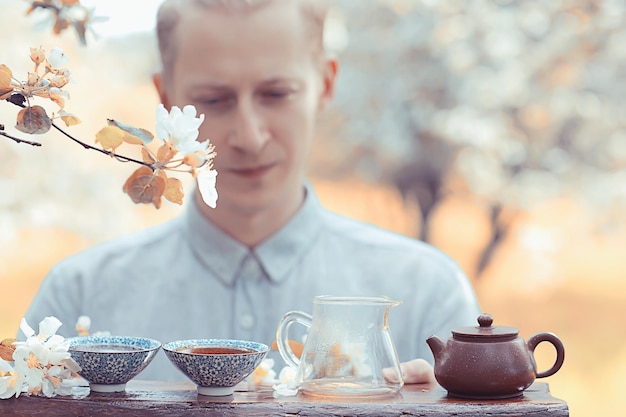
255 77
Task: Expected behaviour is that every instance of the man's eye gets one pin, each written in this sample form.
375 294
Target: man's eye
217 102
275 94
214 101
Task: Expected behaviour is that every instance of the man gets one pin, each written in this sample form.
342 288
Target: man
258 71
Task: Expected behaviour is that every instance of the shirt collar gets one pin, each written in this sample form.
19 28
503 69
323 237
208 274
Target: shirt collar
278 255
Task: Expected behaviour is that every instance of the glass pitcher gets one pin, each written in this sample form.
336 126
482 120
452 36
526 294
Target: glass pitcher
348 349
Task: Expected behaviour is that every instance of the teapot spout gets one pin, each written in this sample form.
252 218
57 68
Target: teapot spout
436 345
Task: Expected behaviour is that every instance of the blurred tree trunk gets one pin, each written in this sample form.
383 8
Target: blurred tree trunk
424 177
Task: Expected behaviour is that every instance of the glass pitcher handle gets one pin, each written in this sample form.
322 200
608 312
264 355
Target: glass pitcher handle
282 335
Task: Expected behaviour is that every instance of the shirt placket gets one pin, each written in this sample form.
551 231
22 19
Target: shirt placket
246 285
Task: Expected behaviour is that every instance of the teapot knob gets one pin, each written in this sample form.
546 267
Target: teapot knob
485 320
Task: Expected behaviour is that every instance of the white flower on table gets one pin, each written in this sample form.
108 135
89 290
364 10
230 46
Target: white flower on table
83 325
287 386
264 374
41 363
10 381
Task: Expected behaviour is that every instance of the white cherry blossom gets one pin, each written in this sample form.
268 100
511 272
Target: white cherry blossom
42 363
11 382
206 185
180 128
287 386
57 58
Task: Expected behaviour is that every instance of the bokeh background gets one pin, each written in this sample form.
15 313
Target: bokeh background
493 129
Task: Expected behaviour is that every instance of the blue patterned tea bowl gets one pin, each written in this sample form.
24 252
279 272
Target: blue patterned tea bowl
109 362
215 365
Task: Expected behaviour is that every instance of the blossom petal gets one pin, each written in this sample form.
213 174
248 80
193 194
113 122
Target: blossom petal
47 388
5 366
26 329
57 58
193 146
57 358
48 327
7 387
175 112
190 111
162 122
206 185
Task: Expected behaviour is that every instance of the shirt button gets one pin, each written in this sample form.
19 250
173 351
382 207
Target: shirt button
246 321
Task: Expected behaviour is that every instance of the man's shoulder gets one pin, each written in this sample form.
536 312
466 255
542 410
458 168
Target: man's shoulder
126 247
364 236
373 252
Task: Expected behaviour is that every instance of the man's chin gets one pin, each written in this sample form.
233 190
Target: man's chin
249 202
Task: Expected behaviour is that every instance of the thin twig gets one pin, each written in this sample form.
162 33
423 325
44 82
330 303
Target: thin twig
18 140
119 157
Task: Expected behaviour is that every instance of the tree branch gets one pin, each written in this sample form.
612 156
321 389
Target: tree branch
17 140
120 158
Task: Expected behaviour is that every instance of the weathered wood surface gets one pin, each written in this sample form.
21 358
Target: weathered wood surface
150 398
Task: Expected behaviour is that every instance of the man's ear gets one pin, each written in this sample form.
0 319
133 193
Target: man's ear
157 80
329 75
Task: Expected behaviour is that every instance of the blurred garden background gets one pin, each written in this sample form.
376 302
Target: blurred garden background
493 129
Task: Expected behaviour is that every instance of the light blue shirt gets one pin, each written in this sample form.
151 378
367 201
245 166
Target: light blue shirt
186 279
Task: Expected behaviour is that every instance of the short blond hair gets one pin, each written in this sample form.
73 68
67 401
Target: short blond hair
170 13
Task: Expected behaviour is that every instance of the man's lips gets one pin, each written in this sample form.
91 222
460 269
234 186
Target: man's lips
252 171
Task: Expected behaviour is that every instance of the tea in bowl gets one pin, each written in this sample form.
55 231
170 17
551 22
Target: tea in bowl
109 362
215 365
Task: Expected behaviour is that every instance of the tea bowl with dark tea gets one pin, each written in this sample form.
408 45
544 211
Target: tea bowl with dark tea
109 362
215 365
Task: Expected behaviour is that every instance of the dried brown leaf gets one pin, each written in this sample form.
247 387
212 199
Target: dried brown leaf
132 139
33 120
5 82
70 120
110 137
8 341
138 135
58 99
7 349
174 190
145 155
166 152
144 186
5 76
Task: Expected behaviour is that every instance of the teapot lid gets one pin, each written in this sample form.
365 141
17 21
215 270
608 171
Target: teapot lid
485 329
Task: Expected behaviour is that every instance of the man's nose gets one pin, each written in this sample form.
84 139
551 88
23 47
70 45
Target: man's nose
249 133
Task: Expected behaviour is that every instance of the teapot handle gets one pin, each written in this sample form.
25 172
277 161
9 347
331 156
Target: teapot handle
558 345
282 335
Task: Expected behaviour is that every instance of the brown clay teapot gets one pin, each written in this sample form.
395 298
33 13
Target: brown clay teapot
490 362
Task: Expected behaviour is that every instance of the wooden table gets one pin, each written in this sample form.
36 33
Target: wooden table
149 398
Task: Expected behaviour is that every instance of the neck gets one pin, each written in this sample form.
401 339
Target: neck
250 228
